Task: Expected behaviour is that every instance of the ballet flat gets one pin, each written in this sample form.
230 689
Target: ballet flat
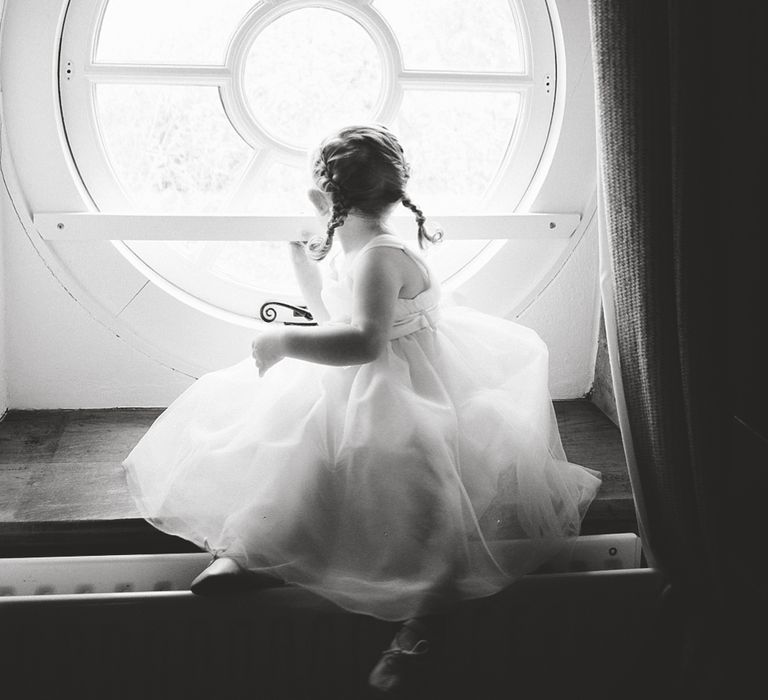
225 575
395 665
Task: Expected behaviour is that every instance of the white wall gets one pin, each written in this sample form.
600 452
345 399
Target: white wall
58 355
3 371
3 362
566 316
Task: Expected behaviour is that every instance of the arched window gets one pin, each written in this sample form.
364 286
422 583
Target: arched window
203 107
169 242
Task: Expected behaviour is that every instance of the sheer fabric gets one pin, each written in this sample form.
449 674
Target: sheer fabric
432 474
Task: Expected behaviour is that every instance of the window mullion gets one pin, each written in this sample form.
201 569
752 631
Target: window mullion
456 80
156 74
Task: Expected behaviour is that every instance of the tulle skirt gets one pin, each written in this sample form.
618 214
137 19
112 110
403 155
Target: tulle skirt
393 488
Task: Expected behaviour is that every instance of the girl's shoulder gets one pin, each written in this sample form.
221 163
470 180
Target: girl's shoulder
385 245
382 240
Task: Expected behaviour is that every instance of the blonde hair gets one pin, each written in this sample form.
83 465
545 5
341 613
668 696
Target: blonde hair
362 168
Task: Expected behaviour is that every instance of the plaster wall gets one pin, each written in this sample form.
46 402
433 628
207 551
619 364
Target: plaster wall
602 393
58 355
3 363
566 316
3 344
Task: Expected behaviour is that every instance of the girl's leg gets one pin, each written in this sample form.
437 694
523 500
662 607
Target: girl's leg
430 628
407 652
416 637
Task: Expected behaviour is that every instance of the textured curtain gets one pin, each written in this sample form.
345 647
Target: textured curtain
657 155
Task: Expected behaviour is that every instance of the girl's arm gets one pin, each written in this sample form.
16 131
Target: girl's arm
377 284
310 281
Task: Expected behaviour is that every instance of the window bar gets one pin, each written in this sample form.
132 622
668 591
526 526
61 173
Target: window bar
92 226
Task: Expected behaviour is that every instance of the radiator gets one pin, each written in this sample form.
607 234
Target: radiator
127 627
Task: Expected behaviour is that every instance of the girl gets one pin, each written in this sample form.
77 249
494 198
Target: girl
379 458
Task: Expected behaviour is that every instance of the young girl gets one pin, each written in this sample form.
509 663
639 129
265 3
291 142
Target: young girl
397 458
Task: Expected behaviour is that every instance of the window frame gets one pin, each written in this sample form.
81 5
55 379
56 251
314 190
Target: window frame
512 186
135 306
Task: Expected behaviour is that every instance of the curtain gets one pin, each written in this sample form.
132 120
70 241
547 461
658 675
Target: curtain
663 273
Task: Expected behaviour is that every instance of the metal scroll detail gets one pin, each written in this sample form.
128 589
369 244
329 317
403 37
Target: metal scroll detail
268 313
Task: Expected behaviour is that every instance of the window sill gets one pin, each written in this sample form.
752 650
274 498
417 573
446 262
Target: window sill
62 491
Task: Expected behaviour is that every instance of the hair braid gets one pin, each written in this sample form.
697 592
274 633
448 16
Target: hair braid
421 220
362 170
319 246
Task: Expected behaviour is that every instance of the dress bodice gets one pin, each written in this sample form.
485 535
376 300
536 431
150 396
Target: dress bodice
411 315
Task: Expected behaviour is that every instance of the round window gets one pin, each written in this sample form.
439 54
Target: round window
211 106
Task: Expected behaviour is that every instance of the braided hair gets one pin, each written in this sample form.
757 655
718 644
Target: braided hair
420 221
319 246
362 168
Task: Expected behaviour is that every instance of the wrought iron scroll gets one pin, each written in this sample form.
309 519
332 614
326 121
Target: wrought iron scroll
268 313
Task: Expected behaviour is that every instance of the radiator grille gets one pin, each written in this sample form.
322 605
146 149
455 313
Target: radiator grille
536 638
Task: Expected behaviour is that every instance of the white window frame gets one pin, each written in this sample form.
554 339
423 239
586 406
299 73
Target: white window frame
113 220
517 278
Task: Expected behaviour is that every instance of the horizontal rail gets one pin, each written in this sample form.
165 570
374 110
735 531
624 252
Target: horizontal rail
165 75
99 226
446 80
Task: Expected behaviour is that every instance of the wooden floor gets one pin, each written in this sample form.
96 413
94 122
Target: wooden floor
62 489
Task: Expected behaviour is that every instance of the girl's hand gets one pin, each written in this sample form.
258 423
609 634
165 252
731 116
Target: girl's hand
302 240
299 256
308 276
267 350
298 249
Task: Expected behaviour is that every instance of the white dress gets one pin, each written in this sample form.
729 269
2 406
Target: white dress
390 488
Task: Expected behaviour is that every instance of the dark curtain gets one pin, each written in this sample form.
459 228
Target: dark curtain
659 95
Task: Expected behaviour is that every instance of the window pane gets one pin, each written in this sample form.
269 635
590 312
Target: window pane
169 31
171 147
279 189
260 265
455 34
191 251
455 142
331 75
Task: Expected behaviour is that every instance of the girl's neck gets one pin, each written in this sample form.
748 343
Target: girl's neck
358 230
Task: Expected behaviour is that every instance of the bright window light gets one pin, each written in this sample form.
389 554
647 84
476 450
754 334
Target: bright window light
212 106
